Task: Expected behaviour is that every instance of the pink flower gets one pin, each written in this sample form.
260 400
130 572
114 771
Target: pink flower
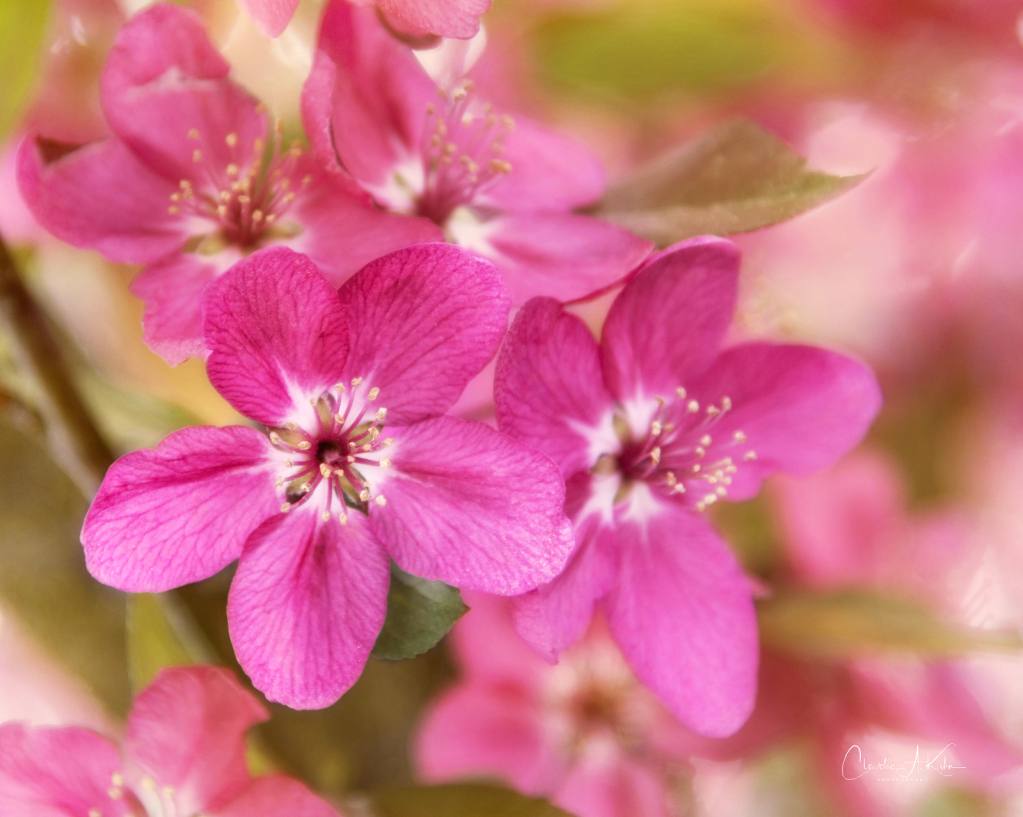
183 755
651 427
846 528
503 188
583 733
191 181
417 18
359 464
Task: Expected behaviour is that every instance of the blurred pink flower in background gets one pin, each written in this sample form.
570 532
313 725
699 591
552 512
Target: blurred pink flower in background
502 188
192 180
183 754
651 427
583 732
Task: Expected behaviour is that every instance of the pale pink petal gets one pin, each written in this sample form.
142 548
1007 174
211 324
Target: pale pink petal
101 197
549 172
47 772
668 321
560 255
272 16
187 730
179 513
448 18
164 79
317 104
477 731
799 408
555 616
275 795
683 615
474 508
276 333
549 385
614 787
172 290
487 649
378 98
341 232
424 320
306 606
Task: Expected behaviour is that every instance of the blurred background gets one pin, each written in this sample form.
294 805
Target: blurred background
918 269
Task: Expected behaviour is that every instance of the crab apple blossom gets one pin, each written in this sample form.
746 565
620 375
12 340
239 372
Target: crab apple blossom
193 178
583 732
357 464
183 755
502 187
650 427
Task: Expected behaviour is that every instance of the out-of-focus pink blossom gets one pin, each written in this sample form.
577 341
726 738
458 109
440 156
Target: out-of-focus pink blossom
649 428
504 188
183 754
192 180
359 464
583 732
847 528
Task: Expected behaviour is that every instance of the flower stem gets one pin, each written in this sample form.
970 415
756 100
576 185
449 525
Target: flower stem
71 433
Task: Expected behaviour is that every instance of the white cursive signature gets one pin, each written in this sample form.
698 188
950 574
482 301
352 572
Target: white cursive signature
853 769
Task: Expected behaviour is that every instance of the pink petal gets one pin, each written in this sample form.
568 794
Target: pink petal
614 787
163 79
187 730
46 772
306 606
478 731
549 384
474 508
550 172
275 795
276 333
379 95
342 232
424 320
272 16
101 197
560 255
555 616
172 290
487 649
448 18
179 513
669 321
799 407
683 615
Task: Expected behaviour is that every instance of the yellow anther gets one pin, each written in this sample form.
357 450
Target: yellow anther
305 445
275 438
739 436
381 413
364 494
243 199
374 393
721 492
306 181
500 166
222 210
173 210
692 407
467 119
325 516
232 169
285 507
385 463
261 107
655 455
389 441
750 455
356 381
350 458
196 156
705 440
656 428
430 109
95 812
700 451
342 518
231 139
726 403
175 197
678 488
257 215
681 392
671 478
117 779
507 121
193 134
168 792
451 148
270 219
713 411
115 794
381 501
325 469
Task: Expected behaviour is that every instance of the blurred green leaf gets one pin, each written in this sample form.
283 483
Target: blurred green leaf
853 622
958 803
788 781
734 178
161 634
22 25
419 614
43 577
457 800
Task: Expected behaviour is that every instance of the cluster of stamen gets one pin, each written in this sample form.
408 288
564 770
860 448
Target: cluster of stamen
681 453
463 151
347 439
246 199
150 800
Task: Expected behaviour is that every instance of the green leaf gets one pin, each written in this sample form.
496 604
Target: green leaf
419 614
955 802
853 622
161 634
43 577
735 178
22 25
459 800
